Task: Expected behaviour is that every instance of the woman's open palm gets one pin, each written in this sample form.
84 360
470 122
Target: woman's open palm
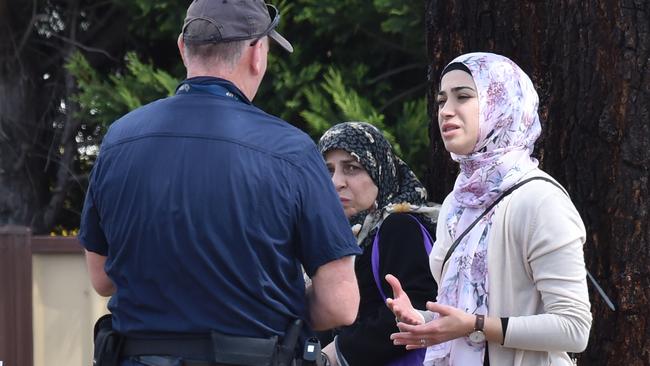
401 305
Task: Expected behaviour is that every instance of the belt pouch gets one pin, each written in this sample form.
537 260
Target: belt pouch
243 351
108 343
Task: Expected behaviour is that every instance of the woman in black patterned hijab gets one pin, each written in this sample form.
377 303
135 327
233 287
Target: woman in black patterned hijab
386 205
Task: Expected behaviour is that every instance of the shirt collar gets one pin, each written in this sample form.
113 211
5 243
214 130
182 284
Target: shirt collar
211 80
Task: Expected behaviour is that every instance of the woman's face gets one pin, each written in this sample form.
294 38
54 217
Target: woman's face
356 189
458 112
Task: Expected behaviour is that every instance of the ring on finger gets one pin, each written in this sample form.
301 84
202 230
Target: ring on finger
422 342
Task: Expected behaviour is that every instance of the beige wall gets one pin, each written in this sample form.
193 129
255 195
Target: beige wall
65 307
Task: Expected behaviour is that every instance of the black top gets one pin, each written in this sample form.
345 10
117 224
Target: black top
402 254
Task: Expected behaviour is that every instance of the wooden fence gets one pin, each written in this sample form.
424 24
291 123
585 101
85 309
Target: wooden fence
47 305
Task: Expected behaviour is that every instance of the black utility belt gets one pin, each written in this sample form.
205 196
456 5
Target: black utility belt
217 348
111 347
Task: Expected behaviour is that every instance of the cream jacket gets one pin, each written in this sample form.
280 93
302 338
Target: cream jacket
536 275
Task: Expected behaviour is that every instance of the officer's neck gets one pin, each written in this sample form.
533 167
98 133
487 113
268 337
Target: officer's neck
245 78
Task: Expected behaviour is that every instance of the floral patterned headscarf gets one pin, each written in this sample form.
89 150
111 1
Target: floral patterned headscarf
508 128
398 187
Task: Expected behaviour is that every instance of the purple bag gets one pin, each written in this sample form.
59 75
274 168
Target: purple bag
413 357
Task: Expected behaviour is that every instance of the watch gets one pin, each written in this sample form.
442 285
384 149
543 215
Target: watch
477 335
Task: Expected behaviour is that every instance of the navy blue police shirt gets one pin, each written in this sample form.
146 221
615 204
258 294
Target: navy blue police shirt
205 207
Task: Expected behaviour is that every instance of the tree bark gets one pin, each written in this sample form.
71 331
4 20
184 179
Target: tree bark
590 63
65 171
39 124
20 180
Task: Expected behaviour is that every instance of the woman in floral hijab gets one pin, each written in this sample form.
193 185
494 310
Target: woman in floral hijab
512 281
386 206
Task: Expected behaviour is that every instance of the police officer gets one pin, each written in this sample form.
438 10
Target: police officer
202 210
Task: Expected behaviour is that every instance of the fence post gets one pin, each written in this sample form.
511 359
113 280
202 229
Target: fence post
16 338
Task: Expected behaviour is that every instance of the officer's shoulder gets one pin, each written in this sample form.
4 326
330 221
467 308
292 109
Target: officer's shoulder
131 121
285 138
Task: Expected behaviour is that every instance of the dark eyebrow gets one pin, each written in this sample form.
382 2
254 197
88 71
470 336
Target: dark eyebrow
346 161
457 89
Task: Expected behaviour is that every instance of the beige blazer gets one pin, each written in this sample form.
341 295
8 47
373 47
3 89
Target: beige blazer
536 275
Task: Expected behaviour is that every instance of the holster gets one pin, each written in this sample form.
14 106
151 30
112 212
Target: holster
108 343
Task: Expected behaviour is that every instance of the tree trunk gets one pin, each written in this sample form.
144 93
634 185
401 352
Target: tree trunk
590 63
65 169
39 123
21 182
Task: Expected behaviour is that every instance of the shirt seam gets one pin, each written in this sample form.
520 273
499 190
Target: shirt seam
201 137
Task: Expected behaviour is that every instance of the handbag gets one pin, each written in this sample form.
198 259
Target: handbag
412 357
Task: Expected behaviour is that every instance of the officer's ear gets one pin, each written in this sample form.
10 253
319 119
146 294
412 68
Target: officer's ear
258 56
181 48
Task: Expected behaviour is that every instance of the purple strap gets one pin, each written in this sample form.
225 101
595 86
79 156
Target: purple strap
428 244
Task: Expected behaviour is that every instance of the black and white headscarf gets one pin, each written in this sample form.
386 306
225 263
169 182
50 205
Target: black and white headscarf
399 190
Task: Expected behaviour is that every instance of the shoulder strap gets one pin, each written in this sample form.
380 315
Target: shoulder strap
374 259
601 292
490 207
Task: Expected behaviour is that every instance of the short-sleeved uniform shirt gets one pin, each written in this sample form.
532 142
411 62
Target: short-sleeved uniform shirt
206 207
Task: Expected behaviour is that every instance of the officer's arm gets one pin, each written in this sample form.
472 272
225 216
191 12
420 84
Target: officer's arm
98 277
333 295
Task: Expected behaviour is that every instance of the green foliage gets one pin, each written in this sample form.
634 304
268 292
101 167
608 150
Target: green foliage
408 135
353 60
349 102
102 101
412 131
402 16
152 20
333 101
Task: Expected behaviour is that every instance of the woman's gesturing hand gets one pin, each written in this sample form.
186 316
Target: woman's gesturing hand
451 323
401 305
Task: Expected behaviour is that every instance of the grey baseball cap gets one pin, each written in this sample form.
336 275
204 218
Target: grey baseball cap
219 21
